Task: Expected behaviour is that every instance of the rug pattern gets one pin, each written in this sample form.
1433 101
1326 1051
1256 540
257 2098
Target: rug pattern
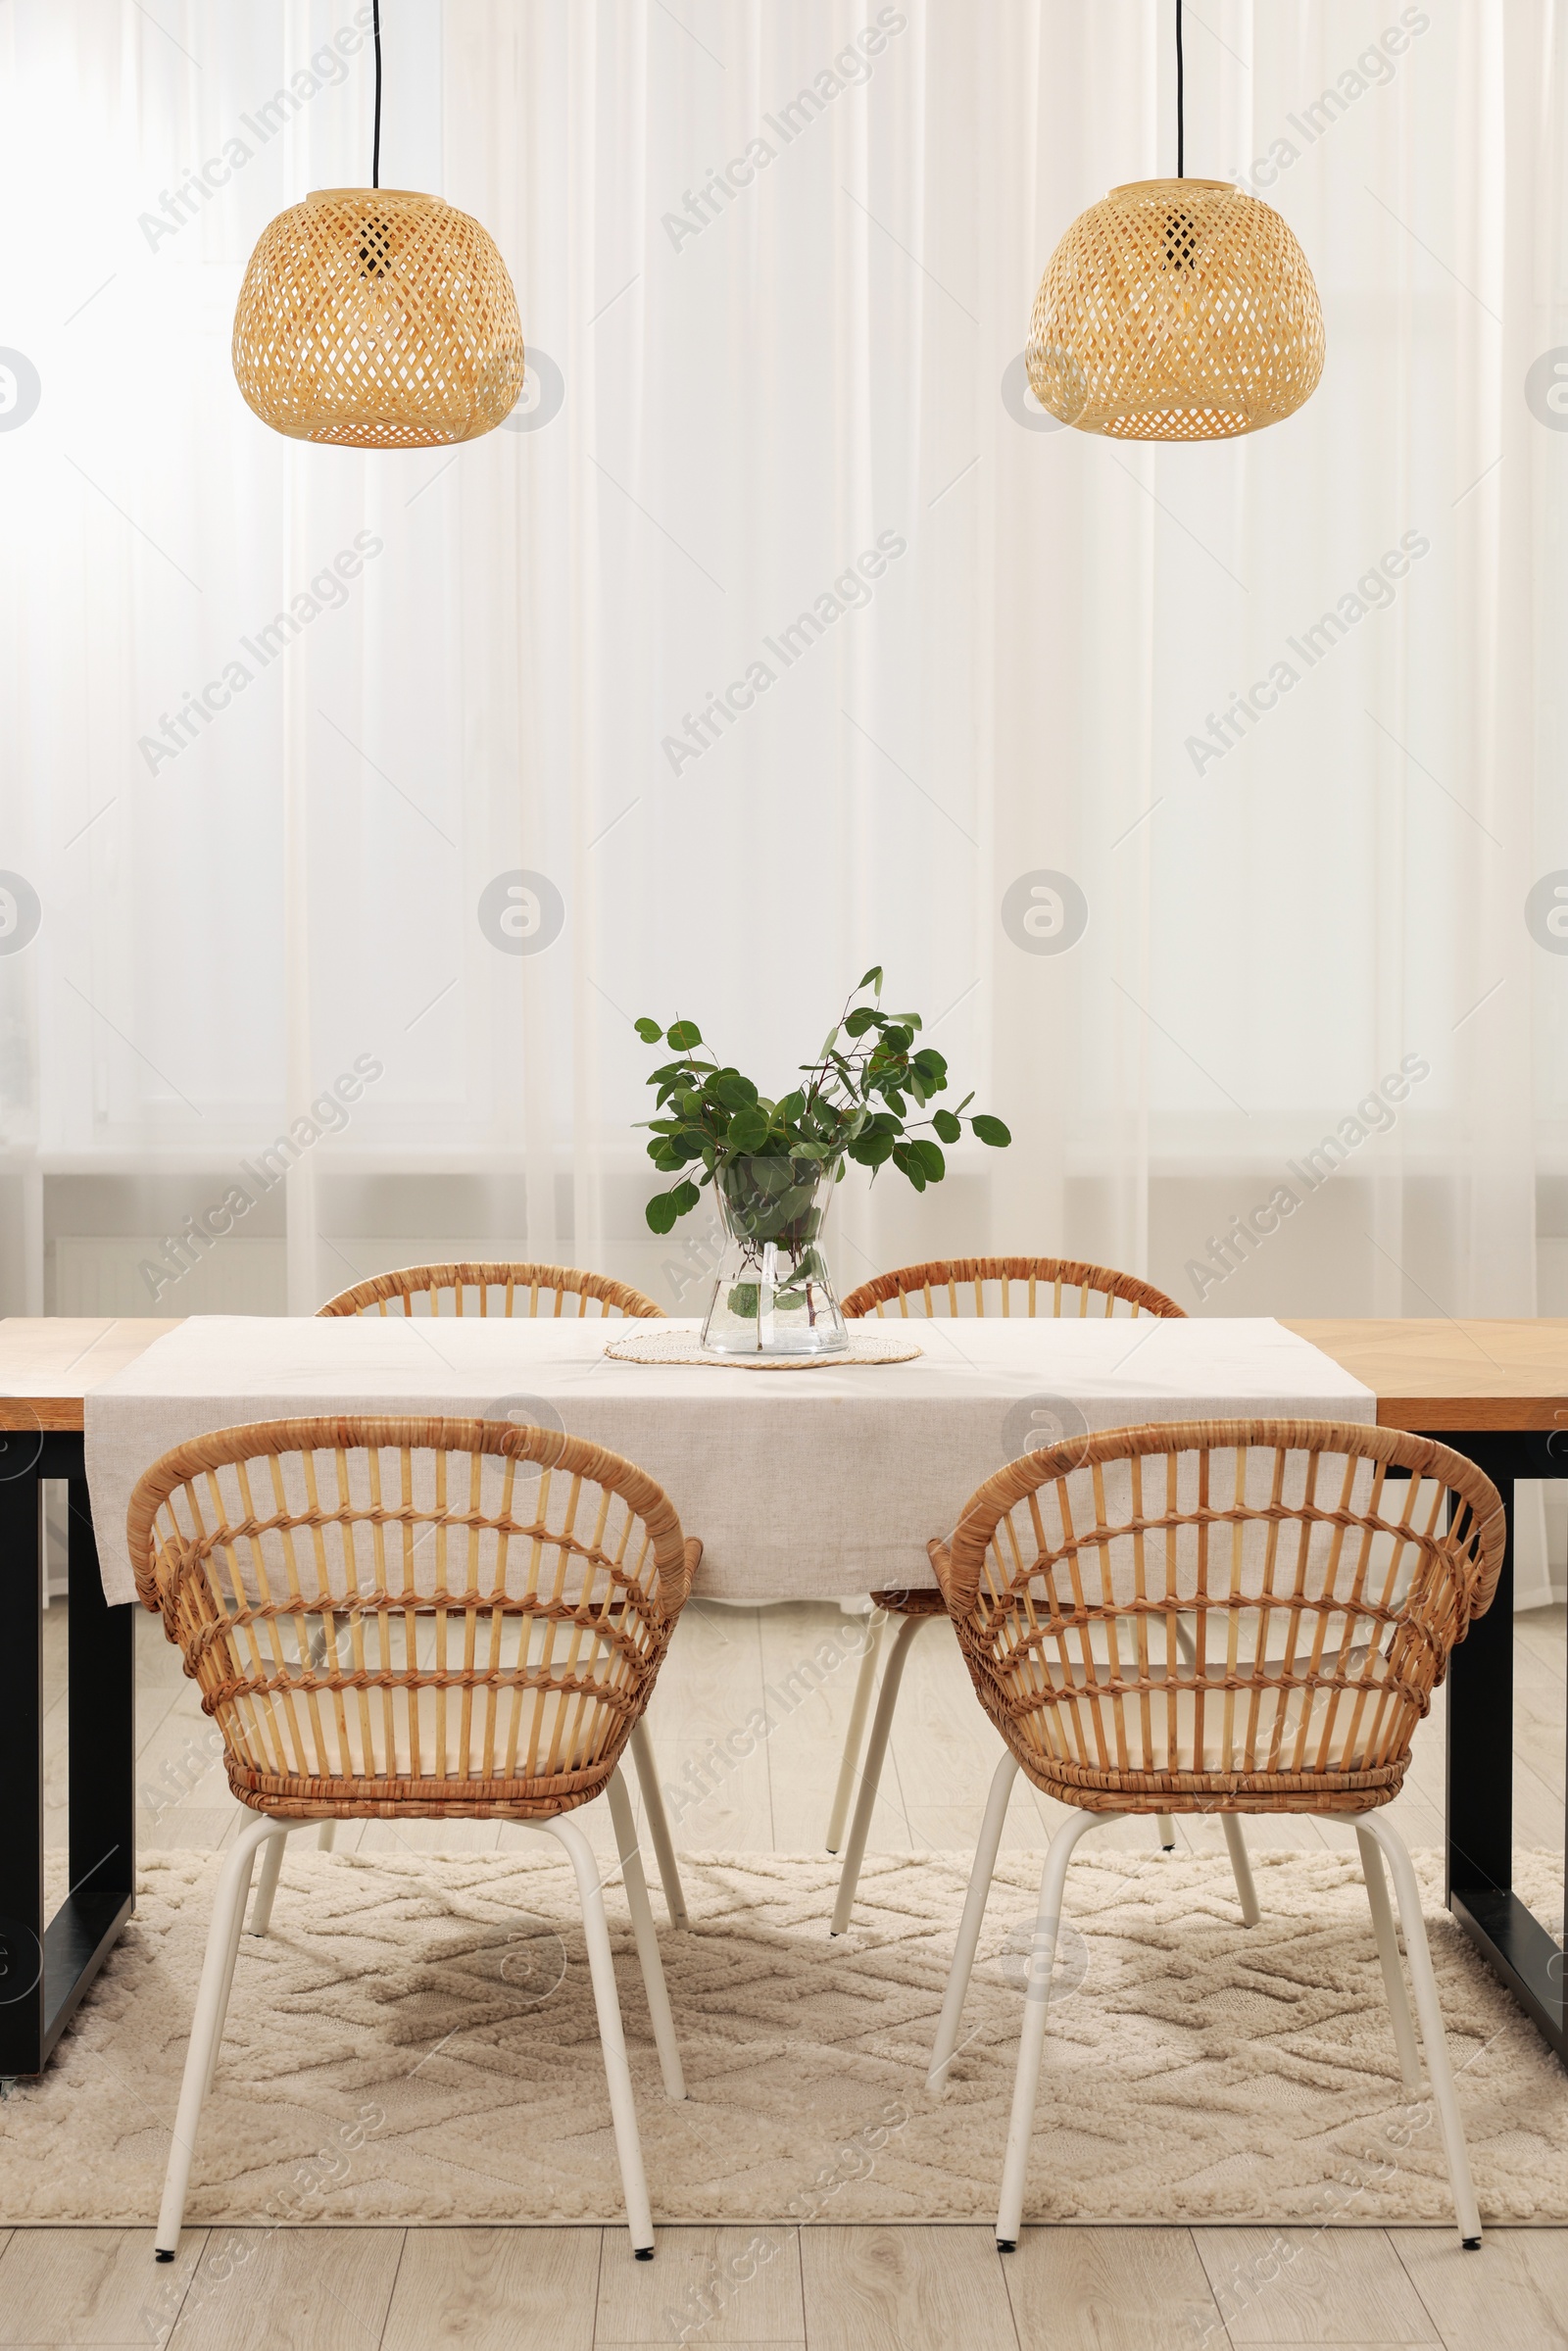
416 2041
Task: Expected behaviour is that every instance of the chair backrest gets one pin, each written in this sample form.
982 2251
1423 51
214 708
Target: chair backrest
1220 1609
425 1616
493 1289
1022 1286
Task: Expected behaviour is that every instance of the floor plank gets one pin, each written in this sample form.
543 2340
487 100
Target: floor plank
811 1664
1111 2289
956 1827
187 1828
290 2290
703 2285
1510 2297
92 2285
1312 2286
880 2289
1540 1633
495 2289
710 1692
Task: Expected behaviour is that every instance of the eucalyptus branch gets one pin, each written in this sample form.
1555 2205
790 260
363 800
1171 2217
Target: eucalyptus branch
854 1105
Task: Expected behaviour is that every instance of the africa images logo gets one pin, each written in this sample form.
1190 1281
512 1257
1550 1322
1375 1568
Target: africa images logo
521 912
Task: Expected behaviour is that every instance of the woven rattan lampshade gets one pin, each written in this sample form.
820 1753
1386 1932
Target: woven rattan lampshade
381 318
1176 310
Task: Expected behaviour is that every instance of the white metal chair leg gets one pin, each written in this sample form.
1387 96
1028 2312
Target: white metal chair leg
642 1755
1240 1867
642 1927
974 1911
1032 2039
870 1777
864 1681
325 1837
1167 1831
272 1864
617 2072
1440 2071
1377 1895
229 1967
207 2027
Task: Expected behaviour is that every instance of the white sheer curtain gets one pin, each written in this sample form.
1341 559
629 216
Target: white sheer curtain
759 383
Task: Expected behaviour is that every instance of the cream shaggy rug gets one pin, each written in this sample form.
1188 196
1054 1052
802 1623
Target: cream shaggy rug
416 2041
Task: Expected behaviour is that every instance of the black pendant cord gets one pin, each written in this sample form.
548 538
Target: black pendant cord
1181 125
376 148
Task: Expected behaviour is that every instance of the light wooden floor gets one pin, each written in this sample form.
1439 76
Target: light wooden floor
834 2290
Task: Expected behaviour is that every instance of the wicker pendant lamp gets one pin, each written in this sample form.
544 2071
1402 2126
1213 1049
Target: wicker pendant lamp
377 317
1176 310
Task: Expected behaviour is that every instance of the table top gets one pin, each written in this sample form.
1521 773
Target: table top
49 1362
1440 1374
1427 1374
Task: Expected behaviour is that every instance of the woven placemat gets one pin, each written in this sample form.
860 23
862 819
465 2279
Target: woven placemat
643 1346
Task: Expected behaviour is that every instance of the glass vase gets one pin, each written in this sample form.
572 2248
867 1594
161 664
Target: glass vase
773 1294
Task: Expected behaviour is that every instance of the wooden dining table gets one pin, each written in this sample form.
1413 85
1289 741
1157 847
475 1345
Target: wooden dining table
1494 1391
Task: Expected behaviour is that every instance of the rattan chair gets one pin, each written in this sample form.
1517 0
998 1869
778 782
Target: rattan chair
1026 1287
417 1620
515 1289
1329 1571
503 1290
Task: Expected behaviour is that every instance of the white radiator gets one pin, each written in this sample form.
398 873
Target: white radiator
101 1275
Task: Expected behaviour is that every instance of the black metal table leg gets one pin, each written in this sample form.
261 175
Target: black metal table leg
102 1712
1478 1851
21 1994
49 1967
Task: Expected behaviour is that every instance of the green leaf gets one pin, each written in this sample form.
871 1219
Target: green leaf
748 1130
870 1150
992 1131
790 1111
859 1021
732 1090
905 1160
930 1158
661 1212
649 1030
947 1126
872 979
685 1196
742 1300
684 1035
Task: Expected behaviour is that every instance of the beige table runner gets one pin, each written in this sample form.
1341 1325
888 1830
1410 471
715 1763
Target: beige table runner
801 1488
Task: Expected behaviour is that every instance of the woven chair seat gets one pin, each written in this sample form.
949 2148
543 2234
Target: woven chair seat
918 1602
428 1618
1248 1615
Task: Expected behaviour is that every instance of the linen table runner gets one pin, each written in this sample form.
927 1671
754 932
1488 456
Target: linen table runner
815 1487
